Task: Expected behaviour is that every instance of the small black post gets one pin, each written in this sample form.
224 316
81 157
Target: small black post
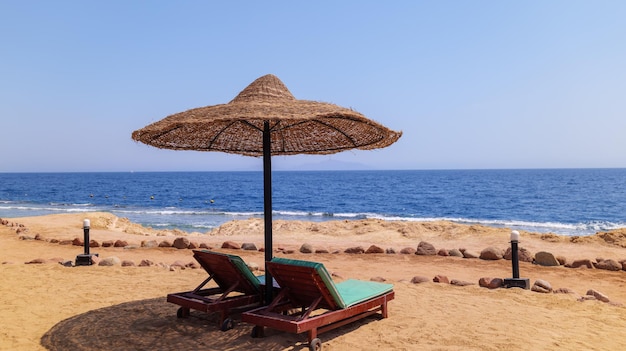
85 258
516 281
86 235
515 259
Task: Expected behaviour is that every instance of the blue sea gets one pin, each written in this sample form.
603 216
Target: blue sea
564 201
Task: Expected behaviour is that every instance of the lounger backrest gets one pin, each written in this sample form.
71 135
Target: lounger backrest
306 281
228 270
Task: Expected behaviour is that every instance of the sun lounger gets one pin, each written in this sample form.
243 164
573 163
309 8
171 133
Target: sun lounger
237 288
321 304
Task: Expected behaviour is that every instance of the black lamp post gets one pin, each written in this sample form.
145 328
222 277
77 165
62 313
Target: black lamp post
84 259
516 281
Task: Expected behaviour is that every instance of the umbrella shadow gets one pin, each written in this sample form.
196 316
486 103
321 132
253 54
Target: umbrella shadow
152 325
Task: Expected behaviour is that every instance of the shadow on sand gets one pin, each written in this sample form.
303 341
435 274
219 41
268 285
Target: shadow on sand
152 325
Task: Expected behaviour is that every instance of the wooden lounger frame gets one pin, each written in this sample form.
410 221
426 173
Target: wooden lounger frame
235 290
316 309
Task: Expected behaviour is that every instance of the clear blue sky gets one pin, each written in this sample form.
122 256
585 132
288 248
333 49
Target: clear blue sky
472 84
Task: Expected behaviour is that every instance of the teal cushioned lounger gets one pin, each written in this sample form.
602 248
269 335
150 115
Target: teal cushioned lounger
346 293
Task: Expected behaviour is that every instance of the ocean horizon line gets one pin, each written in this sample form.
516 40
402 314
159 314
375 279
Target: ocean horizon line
321 170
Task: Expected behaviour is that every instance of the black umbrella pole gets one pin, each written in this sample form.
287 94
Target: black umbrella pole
267 208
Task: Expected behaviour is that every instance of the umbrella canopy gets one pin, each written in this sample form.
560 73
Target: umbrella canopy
296 126
265 119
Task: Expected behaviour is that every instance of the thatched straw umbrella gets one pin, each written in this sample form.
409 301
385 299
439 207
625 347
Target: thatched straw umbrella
265 119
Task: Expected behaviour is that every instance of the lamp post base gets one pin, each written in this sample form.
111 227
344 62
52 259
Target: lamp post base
84 259
523 283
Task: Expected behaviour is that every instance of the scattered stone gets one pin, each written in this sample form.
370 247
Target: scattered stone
419 279
249 247
95 259
407 251
580 263
93 243
541 286
149 243
38 237
67 263
321 251
54 241
306 248
491 283
443 252
523 255
120 243
192 265
165 243
457 282
193 245
441 279
378 279
374 250
110 261
455 253
547 259
108 243
205 246
146 263
26 237
230 245
426 249
289 252
469 254
562 260
355 250
128 263
598 295
491 253
36 261
78 242
178 264
181 243
609 265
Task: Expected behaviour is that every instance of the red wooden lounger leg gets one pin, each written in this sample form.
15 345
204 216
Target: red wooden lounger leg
312 334
258 331
383 309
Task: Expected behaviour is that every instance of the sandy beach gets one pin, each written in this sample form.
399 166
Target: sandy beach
47 306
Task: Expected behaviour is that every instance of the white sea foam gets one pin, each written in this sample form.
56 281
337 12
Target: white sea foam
186 219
